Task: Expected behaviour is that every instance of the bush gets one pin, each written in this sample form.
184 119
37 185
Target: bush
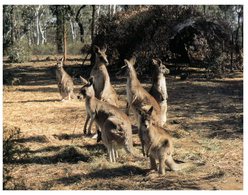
45 49
19 52
75 48
175 34
12 150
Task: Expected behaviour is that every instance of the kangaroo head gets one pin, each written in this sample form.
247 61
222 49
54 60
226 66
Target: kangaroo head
60 63
87 90
145 117
101 56
130 65
160 67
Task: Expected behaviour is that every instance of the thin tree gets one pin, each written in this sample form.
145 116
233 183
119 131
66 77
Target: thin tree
80 24
93 23
92 59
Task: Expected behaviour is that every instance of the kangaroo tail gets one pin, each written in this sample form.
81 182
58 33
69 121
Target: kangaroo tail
128 145
175 166
73 96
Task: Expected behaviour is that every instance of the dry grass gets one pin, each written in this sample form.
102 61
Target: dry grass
205 119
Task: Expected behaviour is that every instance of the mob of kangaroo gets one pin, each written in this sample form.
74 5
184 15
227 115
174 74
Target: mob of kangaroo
113 125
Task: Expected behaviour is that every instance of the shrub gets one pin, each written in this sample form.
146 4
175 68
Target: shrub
12 150
19 52
44 49
176 34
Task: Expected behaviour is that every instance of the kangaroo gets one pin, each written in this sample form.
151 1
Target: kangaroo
103 89
159 89
115 125
158 144
138 98
102 86
65 83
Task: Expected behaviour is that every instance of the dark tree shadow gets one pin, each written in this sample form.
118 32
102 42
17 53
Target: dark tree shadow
223 99
103 174
52 160
65 136
66 154
38 101
45 149
38 139
96 150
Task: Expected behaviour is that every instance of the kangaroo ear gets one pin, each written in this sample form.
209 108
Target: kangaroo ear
133 60
155 62
140 112
150 111
96 49
159 61
91 81
126 61
84 81
104 48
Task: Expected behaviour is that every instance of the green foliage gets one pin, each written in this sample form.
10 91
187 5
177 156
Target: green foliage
19 52
75 48
44 49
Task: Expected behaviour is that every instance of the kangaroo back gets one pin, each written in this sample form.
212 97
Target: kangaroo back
114 124
138 98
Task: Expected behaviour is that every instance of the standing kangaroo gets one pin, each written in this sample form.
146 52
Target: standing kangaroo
115 125
138 98
159 89
158 144
103 89
65 83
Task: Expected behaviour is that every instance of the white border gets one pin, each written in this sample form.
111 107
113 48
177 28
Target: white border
136 2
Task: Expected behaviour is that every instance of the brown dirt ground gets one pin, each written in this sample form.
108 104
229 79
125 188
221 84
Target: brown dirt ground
205 119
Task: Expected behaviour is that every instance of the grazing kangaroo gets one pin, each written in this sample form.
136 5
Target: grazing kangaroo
115 125
138 98
158 144
103 89
159 89
65 83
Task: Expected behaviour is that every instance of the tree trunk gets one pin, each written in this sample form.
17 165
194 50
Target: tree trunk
73 34
232 52
237 47
80 24
29 37
12 13
204 9
64 38
37 25
93 24
42 33
114 10
59 29
92 58
98 11
109 11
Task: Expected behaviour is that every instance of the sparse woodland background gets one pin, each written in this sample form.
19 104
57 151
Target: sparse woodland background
209 36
